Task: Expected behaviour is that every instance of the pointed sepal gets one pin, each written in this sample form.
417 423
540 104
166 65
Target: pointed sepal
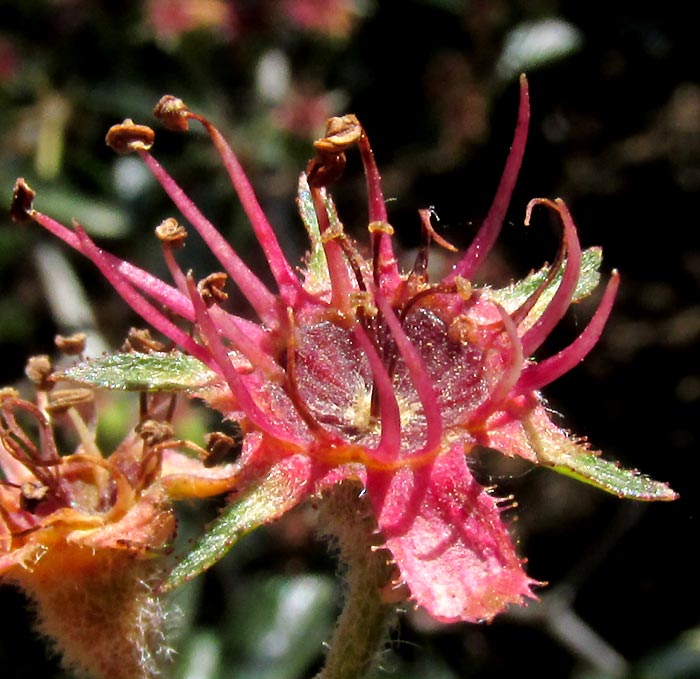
157 371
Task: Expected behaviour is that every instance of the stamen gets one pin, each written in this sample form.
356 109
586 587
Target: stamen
419 376
61 400
222 363
139 340
389 445
47 453
491 227
154 287
211 289
260 298
138 303
73 345
539 375
509 377
384 264
293 388
556 309
428 234
39 371
172 237
289 285
87 438
220 446
338 274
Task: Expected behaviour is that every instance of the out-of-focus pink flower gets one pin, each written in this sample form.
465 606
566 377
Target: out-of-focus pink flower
170 19
356 370
304 111
9 60
334 18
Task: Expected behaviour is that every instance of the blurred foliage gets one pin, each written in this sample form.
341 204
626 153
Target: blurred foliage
616 131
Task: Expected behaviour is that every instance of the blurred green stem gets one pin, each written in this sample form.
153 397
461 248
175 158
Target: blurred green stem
364 623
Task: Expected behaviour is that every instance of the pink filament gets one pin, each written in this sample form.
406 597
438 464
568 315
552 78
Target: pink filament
419 376
488 233
556 309
138 303
508 378
539 375
157 289
289 285
219 356
390 443
260 298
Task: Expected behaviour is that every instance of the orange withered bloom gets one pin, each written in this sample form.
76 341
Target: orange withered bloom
80 533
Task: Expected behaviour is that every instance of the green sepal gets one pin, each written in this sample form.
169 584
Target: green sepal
612 478
514 295
157 371
559 451
316 265
276 493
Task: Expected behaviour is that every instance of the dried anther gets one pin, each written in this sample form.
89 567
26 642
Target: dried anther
22 199
220 446
8 393
153 432
172 112
63 399
73 345
129 137
39 370
32 493
139 340
211 288
341 133
171 233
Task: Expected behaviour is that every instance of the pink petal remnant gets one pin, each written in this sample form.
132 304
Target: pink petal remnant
447 537
356 370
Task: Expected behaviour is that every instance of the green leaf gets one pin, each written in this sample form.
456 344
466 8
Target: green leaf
278 491
267 646
514 295
156 371
612 478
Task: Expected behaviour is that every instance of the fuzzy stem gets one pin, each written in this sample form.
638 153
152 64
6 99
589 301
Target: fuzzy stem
363 624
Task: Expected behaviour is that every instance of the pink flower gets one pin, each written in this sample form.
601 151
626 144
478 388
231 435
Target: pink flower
356 370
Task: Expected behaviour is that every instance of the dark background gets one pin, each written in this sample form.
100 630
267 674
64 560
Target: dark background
615 131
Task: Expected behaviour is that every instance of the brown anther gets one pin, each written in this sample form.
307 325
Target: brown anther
341 133
325 170
153 432
365 301
172 112
63 399
211 288
129 137
9 393
39 370
381 227
464 288
73 345
32 493
139 340
463 330
219 447
22 199
171 233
